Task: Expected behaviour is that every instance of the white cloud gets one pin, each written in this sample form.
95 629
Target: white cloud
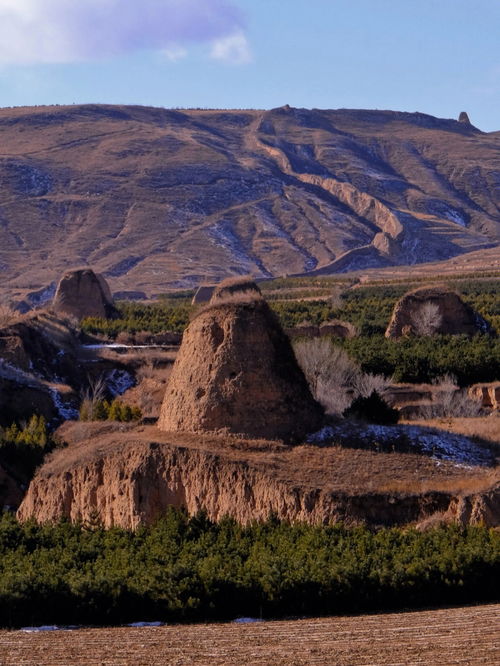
175 53
59 31
233 48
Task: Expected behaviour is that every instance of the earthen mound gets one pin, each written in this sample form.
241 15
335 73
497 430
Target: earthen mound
236 371
338 329
234 289
431 310
83 293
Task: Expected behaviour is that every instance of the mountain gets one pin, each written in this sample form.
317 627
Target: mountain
155 198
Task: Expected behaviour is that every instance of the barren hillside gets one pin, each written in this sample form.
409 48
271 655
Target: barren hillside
155 198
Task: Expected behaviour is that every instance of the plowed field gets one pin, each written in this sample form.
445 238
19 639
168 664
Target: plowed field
450 636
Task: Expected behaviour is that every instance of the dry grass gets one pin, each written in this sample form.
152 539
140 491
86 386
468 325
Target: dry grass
447 636
7 316
482 428
330 468
460 485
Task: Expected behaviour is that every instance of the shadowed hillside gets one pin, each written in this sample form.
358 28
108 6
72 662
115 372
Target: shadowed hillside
155 198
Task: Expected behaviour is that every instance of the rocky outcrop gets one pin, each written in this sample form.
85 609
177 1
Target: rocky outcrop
129 477
83 293
464 118
487 394
431 310
236 371
476 508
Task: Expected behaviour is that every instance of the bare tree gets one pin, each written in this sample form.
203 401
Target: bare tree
93 395
427 319
334 378
449 401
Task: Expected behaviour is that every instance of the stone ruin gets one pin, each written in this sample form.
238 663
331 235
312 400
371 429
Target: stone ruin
83 293
236 372
432 310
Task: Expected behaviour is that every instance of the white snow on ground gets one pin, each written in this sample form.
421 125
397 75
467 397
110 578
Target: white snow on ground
65 411
454 216
34 630
119 381
115 345
146 624
246 620
440 445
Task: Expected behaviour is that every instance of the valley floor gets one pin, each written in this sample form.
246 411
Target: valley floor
468 635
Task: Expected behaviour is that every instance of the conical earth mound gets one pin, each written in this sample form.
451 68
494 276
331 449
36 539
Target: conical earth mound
236 372
83 293
431 310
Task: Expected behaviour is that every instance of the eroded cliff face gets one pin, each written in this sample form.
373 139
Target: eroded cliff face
130 477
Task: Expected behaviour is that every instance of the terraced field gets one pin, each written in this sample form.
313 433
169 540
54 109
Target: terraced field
448 636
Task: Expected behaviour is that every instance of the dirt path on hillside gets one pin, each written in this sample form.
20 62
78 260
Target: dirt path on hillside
449 636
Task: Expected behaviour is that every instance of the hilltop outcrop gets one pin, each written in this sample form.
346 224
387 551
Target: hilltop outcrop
236 371
83 293
431 310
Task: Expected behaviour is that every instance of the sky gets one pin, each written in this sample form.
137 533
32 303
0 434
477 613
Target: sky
434 56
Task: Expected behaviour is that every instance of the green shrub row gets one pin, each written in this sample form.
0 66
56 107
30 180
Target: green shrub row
424 359
103 410
23 449
190 569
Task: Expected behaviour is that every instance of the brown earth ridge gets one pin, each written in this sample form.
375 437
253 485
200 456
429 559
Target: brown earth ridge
129 476
156 199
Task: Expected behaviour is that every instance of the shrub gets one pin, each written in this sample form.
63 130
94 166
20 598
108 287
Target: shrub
102 410
24 448
373 409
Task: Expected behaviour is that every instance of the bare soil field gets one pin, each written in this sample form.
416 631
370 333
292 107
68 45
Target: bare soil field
447 636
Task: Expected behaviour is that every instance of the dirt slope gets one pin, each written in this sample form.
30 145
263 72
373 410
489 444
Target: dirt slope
154 198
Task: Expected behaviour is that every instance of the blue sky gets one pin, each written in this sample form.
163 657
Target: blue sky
434 56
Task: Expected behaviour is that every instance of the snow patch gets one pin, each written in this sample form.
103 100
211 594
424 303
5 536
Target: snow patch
146 624
65 410
116 345
439 445
119 381
247 620
48 627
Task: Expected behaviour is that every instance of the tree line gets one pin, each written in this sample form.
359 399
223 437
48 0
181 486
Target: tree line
191 569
